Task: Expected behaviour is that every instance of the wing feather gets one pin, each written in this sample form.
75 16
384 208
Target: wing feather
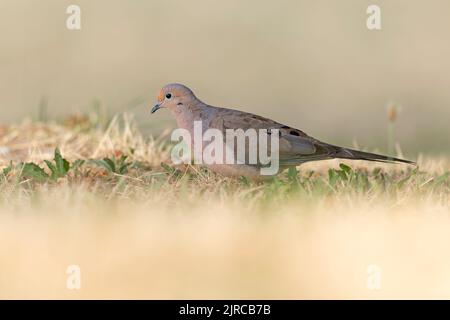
295 146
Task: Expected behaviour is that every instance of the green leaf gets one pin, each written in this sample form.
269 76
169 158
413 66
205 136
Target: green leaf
123 165
332 177
342 174
123 169
8 169
32 170
52 168
66 166
123 158
62 165
111 164
345 168
102 163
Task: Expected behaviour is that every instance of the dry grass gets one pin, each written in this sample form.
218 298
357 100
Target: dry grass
151 233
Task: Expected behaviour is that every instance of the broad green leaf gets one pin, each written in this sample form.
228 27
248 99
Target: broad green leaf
32 170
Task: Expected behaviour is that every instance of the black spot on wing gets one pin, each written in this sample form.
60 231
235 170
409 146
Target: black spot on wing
269 132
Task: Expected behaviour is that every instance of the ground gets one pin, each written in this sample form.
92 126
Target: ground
109 201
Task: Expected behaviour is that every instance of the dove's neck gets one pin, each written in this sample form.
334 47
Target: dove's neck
190 112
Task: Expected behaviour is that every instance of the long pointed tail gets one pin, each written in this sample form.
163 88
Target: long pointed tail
345 153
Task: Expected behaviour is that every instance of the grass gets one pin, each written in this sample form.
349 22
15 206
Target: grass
109 201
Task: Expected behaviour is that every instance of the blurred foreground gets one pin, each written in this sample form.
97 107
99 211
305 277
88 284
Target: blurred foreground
162 232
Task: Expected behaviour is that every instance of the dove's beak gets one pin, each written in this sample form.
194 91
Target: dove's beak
156 107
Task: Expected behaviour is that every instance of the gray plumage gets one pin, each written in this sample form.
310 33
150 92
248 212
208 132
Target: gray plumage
296 147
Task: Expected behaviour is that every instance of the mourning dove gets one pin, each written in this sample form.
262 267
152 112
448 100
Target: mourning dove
295 146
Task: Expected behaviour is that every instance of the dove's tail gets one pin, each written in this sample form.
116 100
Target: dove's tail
344 153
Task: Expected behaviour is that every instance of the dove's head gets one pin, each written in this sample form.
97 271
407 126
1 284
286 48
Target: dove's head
174 97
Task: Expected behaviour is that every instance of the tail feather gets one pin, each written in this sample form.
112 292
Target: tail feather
345 153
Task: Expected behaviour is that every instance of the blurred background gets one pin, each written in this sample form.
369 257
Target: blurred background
310 64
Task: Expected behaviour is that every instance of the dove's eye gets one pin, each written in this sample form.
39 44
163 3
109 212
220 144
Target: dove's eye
169 96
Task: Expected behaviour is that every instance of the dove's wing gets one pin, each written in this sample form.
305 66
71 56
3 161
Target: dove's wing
295 146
